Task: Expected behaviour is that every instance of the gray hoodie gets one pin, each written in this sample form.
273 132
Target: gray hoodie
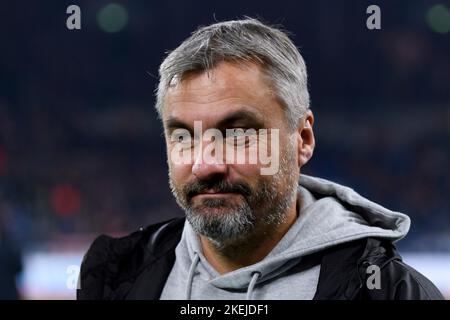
330 214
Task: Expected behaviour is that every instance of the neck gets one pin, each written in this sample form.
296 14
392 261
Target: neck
250 249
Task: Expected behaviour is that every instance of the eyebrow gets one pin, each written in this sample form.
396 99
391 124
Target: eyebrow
252 120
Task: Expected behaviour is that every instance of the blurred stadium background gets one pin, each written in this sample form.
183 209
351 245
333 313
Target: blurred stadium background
81 151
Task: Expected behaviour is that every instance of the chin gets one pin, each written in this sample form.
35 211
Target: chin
213 211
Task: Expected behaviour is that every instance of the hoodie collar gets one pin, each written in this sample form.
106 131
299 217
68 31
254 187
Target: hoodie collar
330 214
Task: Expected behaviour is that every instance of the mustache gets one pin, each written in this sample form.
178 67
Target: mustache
217 185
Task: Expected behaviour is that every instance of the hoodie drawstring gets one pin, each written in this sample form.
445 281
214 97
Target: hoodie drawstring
251 286
191 275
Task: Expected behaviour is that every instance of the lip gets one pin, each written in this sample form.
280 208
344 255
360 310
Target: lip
215 194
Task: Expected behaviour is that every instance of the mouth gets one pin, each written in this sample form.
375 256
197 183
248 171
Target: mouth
213 194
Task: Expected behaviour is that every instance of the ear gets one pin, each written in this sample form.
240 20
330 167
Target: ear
305 138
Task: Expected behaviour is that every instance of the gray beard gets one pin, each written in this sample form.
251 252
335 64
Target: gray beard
233 225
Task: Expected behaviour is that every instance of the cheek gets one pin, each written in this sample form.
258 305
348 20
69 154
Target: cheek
179 172
251 157
178 161
250 173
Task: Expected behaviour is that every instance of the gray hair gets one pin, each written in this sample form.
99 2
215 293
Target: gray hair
246 40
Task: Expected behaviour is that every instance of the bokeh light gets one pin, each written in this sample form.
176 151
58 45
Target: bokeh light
438 18
65 200
112 18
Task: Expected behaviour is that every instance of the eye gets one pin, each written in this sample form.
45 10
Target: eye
182 137
239 136
185 139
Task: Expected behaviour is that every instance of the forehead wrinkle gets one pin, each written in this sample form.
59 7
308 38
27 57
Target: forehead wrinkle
230 88
216 120
225 79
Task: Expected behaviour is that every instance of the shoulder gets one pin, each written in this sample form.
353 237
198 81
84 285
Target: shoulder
396 279
371 269
110 260
403 282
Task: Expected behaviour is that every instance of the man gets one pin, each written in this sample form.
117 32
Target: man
253 229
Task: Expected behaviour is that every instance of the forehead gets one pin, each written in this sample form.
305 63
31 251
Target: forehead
210 96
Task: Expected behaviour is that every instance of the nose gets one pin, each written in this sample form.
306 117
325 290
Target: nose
206 166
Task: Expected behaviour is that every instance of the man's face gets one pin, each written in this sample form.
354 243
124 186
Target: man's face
225 199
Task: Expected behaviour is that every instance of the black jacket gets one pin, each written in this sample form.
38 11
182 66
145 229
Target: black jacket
137 267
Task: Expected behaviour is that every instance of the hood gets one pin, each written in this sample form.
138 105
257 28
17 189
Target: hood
329 214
